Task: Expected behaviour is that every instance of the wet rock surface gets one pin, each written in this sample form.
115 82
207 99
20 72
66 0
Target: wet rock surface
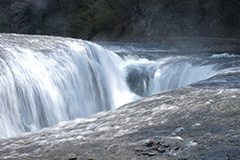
188 123
158 146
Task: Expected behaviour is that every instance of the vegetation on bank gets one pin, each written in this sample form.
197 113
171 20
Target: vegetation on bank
114 18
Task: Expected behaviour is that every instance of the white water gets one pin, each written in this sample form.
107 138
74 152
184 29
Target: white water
148 77
47 80
226 55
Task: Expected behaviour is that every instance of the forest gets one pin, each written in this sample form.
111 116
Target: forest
125 19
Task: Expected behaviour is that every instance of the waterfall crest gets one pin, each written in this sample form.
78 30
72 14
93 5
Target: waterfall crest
46 80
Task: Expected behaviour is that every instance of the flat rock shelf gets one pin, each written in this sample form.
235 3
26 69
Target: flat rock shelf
182 124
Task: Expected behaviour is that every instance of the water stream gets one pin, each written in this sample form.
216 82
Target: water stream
46 80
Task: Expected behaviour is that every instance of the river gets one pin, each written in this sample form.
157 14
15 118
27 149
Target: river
46 80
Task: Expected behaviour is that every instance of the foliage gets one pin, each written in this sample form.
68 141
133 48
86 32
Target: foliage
87 18
102 15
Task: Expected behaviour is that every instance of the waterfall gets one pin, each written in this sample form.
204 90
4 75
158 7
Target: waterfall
46 80
146 77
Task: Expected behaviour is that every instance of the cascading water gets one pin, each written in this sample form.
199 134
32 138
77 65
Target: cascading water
151 68
46 80
146 77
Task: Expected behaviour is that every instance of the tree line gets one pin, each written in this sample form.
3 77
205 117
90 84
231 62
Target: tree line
89 18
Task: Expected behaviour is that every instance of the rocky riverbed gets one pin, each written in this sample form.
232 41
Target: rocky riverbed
196 122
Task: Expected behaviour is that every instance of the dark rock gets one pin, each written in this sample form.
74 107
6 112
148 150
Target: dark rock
144 153
165 145
161 150
177 148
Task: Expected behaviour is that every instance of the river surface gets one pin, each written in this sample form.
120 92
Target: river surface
152 68
46 80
